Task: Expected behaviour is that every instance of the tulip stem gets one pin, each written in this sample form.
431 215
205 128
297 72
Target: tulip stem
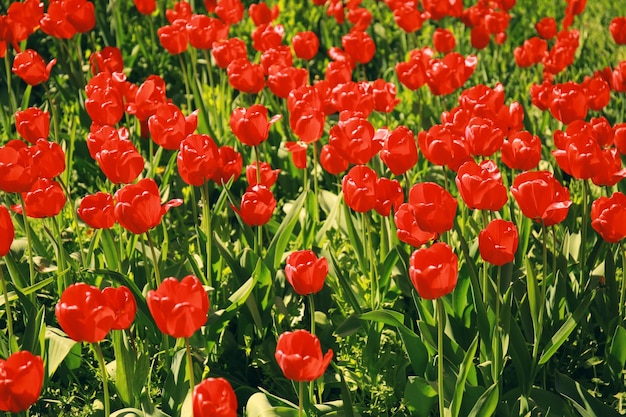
206 218
496 336
183 67
370 254
7 67
7 306
301 397
157 274
622 296
62 276
440 326
583 234
192 382
105 382
31 265
316 213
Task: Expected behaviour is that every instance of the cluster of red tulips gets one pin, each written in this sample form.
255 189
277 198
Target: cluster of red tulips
476 140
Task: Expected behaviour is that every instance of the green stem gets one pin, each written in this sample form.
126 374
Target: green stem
157 273
312 311
103 370
7 306
301 398
192 382
209 67
498 344
316 213
370 254
440 326
622 297
7 67
583 233
183 67
206 219
61 267
53 112
31 265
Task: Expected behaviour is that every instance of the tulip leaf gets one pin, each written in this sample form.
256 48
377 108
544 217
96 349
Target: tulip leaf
586 404
413 345
461 378
128 412
534 297
487 403
258 405
176 384
355 239
283 234
58 346
419 396
566 329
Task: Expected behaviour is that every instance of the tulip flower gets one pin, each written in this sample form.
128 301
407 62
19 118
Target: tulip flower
30 67
498 242
546 27
84 314
214 397
257 206
203 31
32 124
359 45
359 188
179 308
299 356
50 158
138 206
120 161
245 76
267 175
480 186
434 271
434 207
407 229
97 210
618 30
230 11
389 196
521 151
251 125
608 217
399 150
174 37
260 13
305 45
541 197
124 306
226 51
197 159
21 380
443 40
109 59
46 198
7 231
229 165
306 272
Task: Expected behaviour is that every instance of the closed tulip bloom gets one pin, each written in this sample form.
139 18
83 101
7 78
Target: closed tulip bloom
307 122
332 161
97 210
179 308
355 139
84 313
384 96
618 30
298 153
251 125
408 18
7 231
359 45
203 30
145 6
282 80
109 59
120 161
305 44
138 206
169 126
407 229
81 14
541 197
180 11
480 186
546 27
18 171
443 40
46 198
32 124
197 159
226 51
450 73
299 355
245 76
412 74
214 397
124 306
260 13
230 11
359 188
257 205
21 380
30 67
498 242
50 158
229 165
267 36
306 272
608 217
399 150
55 21
174 37
434 207
521 151
434 271
279 56
568 102
389 196
484 137
267 175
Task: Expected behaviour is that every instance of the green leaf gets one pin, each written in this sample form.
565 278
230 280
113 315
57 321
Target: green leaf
283 234
258 405
487 403
413 345
566 329
585 403
128 412
419 396
464 371
176 384
618 347
58 346
534 296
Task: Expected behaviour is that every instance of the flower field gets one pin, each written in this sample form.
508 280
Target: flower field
312 208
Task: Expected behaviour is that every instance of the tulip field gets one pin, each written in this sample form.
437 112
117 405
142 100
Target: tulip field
288 208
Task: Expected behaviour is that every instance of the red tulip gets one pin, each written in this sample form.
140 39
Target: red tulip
298 153
307 122
145 6
611 171
229 165
245 76
532 52
407 229
359 45
598 92
214 397
282 80
446 75
230 11
7 231
267 36
174 37
618 30
260 13
498 242
541 197
81 14
443 40
18 171
120 161
305 45
197 159
226 51
384 96
359 188
338 72
251 125
22 19
299 356
257 206
353 99
169 126
332 161
521 151
408 18
30 67
480 186
280 57
21 380
105 99
32 124
109 59
546 27
138 206
306 272
411 74
608 217
434 271
97 210
181 11
55 22
267 175
149 97
434 207
389 196
399 150
124 306
203 31
84 313
179 308
568 102
354 139
50 158
360 17
46 198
